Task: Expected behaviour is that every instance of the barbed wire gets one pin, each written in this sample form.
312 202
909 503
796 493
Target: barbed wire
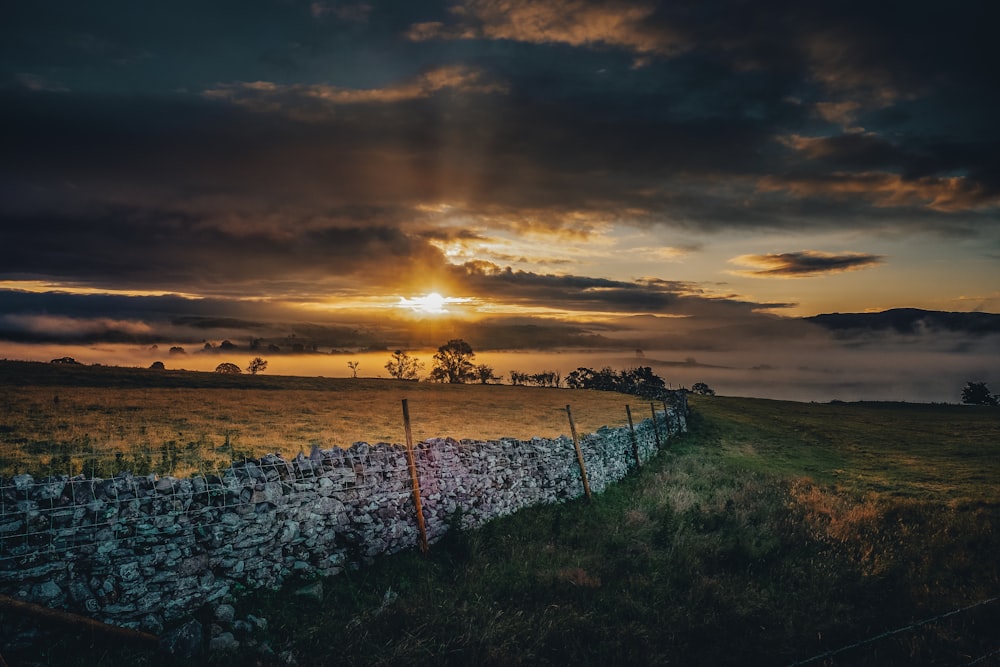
889 633
982 658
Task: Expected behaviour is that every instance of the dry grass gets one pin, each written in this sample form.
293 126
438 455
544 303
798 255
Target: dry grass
58 428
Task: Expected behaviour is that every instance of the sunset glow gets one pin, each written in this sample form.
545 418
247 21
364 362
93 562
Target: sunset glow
547 181
432 303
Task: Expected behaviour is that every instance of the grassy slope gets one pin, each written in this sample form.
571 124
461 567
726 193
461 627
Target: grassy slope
772 533
940 452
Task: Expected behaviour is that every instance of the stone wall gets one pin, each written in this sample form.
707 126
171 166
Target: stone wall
144 552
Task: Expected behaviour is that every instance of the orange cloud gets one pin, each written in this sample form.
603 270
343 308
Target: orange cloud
842 113
573 22
886 190
301 98
803 264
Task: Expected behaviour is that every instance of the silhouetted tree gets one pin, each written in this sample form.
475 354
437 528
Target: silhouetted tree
484 374
157 366
256 365
703 389
453 362
641 381
402 366
177 349
977 393
545 379
353 365
518 378
227 368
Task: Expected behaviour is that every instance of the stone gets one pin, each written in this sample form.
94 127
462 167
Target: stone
47 592
164 485
184 641
225 613
152 624
23 482
257 622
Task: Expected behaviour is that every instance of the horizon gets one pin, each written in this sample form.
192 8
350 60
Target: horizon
566 176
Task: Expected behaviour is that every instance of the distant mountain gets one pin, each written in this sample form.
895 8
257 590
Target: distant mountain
910 321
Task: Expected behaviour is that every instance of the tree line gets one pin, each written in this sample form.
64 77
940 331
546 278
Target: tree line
454 363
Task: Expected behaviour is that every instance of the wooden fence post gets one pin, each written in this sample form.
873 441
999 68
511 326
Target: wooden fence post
666 422
79 623
579 454
656 430
424 548
631 430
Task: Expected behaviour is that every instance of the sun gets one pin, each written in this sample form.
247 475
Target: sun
430 304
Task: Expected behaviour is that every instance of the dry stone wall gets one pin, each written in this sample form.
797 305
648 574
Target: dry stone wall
144 552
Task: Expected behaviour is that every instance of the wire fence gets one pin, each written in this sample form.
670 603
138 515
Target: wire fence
898 631
143 549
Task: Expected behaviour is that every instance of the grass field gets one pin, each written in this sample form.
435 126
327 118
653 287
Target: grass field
772 533
67 419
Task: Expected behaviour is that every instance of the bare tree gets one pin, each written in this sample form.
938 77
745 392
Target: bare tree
402 366
227 368
257 365
353 365
484 374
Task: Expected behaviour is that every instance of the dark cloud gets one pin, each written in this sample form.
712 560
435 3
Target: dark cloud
180 252
804 263
324 150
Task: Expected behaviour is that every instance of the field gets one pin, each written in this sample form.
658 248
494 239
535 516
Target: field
68 419
774 533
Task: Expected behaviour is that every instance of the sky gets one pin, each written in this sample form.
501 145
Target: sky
675 184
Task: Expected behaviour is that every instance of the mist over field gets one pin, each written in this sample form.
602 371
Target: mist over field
815 367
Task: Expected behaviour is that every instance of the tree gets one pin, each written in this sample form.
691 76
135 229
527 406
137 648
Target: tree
227 368
453 362
353 365
403 367
484 374
641 381
256 366
977 393
703 389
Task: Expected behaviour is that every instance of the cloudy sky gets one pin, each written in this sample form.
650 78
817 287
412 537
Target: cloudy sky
564 174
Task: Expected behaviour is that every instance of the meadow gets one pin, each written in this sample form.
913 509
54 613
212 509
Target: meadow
58 420
773 533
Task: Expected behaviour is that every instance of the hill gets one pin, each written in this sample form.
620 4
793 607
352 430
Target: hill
910 321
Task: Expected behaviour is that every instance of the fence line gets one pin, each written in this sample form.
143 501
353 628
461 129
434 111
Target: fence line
142 551
982 658
889 633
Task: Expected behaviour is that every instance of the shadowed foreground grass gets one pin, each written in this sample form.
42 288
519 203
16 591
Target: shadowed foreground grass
772 533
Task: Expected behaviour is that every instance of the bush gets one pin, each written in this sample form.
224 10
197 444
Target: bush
977 393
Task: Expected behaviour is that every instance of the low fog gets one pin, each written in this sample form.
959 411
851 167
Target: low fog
812 365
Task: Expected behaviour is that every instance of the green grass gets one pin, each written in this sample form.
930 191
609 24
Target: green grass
771 533
939 452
